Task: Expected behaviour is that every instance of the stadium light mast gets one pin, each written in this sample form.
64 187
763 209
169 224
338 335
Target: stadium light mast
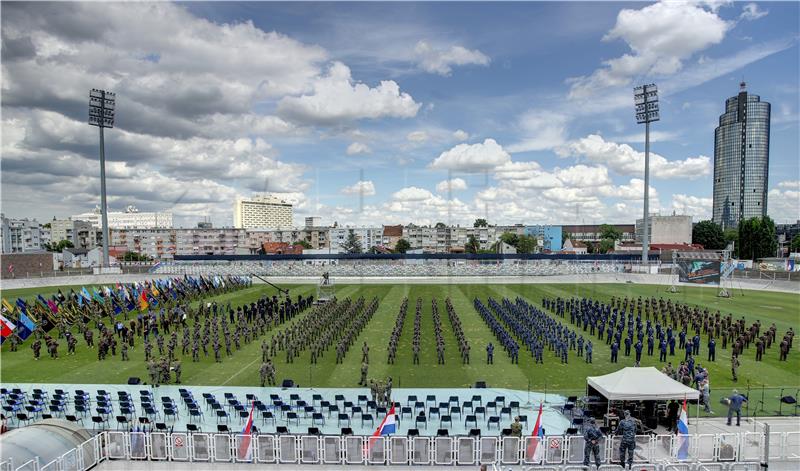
101 114
645 98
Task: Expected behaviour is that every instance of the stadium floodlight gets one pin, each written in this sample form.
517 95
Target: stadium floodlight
101 114
645 97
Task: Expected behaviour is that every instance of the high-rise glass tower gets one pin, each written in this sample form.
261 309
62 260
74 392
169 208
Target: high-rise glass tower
741 160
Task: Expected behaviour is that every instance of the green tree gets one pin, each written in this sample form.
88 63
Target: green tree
757 238
352 244
440 225
59 246
480 223
607 231
795 245
134 257
565 235
303 243
590 247
526 244
605 245
402 246
509 238
708 234
472 245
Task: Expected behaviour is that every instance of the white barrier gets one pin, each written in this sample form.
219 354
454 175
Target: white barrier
722 452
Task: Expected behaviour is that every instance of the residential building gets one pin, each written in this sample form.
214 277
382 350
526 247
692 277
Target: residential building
262 212
82 234
785 233
131 218
165 243
674 229
367 236
281 248
392 234
591 232
317 237
24 235
313 221
5 234
574 246
741 160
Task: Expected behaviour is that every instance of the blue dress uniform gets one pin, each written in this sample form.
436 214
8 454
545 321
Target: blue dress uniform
712 350
614 351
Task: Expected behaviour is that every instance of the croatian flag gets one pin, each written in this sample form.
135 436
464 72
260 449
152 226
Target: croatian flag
535 453
6 327
683 434
245 448
387 426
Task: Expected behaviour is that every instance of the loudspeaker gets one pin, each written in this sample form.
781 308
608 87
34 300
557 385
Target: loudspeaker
480 384
287 383
134 380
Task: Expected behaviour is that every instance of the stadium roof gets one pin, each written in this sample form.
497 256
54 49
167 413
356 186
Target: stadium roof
640 384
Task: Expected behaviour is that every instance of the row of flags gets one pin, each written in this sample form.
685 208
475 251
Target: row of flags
23 317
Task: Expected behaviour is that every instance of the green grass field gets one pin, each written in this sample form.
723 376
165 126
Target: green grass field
242 368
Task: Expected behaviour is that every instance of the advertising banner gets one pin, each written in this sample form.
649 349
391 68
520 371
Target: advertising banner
702 272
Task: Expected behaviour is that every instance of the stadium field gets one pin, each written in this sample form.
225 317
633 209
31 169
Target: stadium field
242 368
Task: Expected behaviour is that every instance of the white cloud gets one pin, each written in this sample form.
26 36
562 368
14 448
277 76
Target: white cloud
790 184
454 184
625 160
540 130
440 60
655 136
411 193
460 135
356 148
661 37
362 187
417 136
337 99
472 157
751 12
784 205
697 207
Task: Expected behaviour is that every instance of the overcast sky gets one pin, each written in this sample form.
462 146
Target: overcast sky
389 113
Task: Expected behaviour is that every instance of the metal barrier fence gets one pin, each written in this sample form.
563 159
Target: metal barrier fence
705 452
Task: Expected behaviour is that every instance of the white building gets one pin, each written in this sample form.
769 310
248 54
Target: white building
165 243
5 234
131 218
25 235
367 236
674 229
313 221
262 211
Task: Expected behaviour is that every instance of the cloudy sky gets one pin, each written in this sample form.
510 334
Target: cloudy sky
389 113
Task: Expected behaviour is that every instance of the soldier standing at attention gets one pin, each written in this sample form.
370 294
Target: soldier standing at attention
627 428
490 354
364 369
177 369
365 353
734 367
263 372
124 351
415 352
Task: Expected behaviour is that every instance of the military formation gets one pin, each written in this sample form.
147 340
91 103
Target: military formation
533 328
644 326
437 332
455 323
394 339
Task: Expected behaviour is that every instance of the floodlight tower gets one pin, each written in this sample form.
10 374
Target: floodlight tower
101 114
645 98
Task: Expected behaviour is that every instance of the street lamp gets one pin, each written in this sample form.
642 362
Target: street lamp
101 114
645 98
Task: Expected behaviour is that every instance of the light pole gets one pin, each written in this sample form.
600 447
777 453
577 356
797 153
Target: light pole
101 114
645 98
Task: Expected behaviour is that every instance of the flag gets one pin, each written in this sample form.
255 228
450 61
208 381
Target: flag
245 448
21 304
683 434
387 426
26 326
86 295
53 306
8 307
535 452
143 304
6 328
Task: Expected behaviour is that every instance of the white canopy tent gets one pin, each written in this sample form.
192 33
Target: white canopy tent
640 384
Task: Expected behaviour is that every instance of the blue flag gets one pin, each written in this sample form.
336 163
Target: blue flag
25 327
